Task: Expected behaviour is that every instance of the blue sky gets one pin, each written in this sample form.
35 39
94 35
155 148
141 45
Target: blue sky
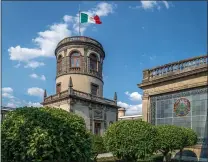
135 35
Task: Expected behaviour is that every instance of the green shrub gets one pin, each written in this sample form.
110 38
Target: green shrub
97 146
130 140
40 134
170 138
190 139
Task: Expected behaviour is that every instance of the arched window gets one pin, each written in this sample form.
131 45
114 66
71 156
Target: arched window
58 87
75 59
59 64
93 62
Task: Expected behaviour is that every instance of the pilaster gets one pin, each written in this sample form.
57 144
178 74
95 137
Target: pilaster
145 107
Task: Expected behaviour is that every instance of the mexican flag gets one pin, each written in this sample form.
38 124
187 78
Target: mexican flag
85 18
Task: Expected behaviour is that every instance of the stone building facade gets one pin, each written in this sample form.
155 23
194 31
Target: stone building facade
176 94
79 83
4 111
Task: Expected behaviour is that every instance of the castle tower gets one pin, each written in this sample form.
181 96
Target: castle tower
79 83
121 112
80 58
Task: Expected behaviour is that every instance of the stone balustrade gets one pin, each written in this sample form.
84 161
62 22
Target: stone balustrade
56 96
93 97
175 67
80 38
79 94
80 71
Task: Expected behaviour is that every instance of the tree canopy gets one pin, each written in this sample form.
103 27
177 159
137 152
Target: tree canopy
130 140
97 146
40 134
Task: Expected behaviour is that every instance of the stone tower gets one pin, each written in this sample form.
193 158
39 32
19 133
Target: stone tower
79 83
80 58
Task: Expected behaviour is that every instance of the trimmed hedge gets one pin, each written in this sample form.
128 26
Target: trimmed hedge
97 146
44 134
131 140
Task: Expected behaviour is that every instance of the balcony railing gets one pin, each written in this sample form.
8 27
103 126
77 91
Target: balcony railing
93 97
180 66
79 38
80 70
75 69
79 94
60 95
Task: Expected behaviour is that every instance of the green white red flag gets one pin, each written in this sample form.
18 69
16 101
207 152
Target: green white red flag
85 18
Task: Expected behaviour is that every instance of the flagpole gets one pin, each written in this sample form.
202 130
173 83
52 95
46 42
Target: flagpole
79 21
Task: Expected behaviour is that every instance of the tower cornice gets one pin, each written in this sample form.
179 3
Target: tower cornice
80 40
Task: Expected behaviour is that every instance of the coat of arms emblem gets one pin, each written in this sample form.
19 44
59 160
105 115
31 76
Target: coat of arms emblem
182 107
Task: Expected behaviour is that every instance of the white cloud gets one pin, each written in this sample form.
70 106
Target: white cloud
21 103
68 19
103 9
150 5
35 76
34 64
34 104
11 105
131 109
23 54
7 90
47 40
43 77
35 91
166 4
134 96
7 95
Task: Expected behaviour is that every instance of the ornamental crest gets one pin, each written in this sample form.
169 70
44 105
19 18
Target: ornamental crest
182 107
98 114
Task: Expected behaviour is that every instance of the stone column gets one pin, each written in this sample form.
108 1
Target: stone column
145 107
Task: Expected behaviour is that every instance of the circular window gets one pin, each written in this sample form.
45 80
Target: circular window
182 107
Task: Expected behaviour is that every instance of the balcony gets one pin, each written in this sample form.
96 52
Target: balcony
175 68
81 95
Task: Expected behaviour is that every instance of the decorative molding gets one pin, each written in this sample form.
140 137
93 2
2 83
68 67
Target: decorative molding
82 73
186 92
80 44
98 114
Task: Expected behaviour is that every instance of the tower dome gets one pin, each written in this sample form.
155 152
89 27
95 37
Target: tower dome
80 58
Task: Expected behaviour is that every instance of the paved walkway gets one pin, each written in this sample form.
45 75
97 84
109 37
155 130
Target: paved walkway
105 155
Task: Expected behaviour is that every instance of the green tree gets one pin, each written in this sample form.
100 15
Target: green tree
170 137
97 146
130 140
190 139
44 134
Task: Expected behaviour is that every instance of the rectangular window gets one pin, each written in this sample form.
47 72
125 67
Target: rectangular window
94 89
97 128
58 88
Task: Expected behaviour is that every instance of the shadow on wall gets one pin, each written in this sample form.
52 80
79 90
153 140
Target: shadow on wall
204 151
188 155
